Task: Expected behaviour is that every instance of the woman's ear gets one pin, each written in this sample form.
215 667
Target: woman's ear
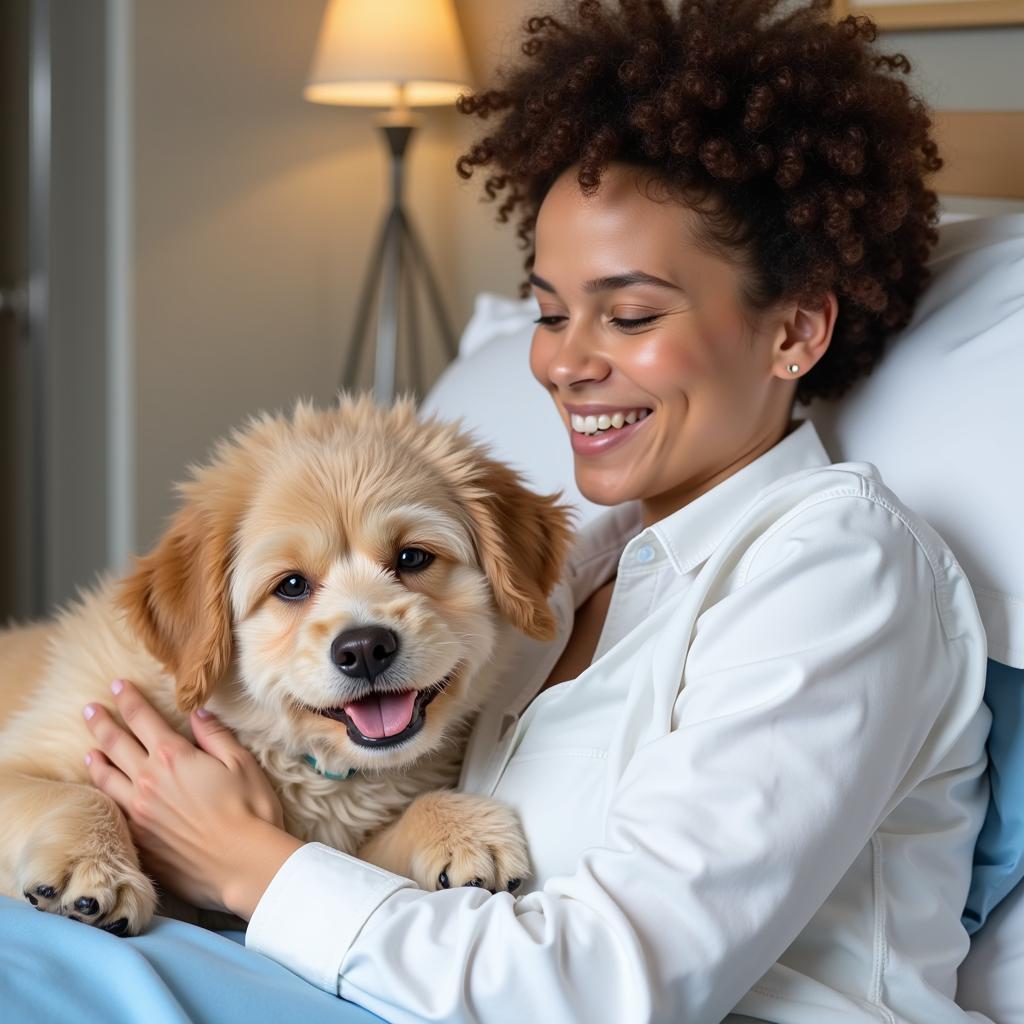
177 601
804 335
523 540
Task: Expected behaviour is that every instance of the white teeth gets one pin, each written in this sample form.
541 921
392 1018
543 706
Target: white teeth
592 424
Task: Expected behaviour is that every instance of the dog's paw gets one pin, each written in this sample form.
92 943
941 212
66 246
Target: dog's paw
467 840
111 894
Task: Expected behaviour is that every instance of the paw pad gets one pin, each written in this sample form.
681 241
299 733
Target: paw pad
86 905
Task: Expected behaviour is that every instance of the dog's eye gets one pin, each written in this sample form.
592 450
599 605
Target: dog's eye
413 559
293 588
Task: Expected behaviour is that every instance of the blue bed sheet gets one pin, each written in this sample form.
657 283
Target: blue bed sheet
54 971
999 855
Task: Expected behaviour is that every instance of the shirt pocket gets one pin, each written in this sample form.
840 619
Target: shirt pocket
560 795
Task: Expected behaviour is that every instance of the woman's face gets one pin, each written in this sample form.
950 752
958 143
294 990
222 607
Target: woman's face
642 327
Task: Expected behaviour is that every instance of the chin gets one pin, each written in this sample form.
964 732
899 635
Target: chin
606 488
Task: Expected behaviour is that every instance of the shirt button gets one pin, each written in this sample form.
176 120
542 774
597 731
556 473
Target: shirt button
645 554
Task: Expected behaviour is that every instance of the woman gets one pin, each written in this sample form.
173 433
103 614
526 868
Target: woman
750 768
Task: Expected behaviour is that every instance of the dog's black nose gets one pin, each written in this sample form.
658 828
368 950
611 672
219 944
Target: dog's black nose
364 652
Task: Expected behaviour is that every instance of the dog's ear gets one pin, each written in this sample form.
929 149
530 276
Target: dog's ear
523 539
177 600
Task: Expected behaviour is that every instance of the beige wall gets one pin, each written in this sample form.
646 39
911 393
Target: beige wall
253 216
254 212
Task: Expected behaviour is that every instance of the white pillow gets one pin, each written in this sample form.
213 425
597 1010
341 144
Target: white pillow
942 416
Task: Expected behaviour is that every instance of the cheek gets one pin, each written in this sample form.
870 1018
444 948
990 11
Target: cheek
467 599
542 350
712 353
726 336
667 363
270 637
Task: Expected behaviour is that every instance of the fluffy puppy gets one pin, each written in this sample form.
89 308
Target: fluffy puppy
336 587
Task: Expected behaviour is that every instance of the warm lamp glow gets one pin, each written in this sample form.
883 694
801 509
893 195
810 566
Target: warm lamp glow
382 53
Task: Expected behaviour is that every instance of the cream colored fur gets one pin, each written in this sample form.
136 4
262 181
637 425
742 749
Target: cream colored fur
332 495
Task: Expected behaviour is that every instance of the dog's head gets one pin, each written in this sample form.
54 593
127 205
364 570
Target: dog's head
352 566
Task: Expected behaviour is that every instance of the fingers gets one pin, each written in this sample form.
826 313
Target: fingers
108 779
217 739
148 725
120 747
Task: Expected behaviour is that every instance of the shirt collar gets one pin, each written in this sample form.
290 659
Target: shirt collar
688 536
692 533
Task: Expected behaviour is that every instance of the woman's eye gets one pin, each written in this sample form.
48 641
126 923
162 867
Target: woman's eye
413 559
626 323
623 323
293 588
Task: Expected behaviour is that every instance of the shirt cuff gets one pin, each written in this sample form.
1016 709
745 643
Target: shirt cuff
314 908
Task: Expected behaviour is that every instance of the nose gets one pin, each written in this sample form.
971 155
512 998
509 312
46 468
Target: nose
365 652
576 359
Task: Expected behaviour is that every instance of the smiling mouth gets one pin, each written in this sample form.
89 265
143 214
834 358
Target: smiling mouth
595 438
604 423
385 718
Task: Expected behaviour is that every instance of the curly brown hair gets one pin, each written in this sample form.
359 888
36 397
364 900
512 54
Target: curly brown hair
804 152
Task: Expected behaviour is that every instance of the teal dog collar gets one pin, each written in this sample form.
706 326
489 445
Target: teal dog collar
335 776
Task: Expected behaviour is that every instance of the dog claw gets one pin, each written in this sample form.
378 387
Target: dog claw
118 927
47 891
86 905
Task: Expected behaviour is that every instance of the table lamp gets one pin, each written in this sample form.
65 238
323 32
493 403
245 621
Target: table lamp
396 54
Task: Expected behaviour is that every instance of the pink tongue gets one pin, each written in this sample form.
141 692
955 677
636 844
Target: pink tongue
382 714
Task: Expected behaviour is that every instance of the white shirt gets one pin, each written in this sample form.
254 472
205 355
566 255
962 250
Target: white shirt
761 797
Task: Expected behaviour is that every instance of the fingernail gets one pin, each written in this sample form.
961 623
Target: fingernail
116 686
88 759
88 711
203 713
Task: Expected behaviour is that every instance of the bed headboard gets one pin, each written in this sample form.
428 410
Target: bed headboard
983 150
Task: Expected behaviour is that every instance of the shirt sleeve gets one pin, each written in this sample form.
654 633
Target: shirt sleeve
816 693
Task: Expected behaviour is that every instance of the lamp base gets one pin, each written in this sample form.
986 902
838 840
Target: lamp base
399 258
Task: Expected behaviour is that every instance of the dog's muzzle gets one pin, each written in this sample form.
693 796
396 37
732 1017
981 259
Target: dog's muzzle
385 718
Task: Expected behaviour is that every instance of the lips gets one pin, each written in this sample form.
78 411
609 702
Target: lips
385 719
598 444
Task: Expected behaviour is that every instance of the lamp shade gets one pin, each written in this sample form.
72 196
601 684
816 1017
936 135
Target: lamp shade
375 53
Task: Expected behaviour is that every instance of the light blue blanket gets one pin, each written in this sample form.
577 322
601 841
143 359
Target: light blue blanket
54 971
999 855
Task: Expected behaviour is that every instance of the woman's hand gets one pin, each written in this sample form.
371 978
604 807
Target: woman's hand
207 822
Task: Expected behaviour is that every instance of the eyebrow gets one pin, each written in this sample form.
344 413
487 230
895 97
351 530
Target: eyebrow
608 284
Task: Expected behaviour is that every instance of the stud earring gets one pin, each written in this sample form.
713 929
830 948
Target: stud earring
793 368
